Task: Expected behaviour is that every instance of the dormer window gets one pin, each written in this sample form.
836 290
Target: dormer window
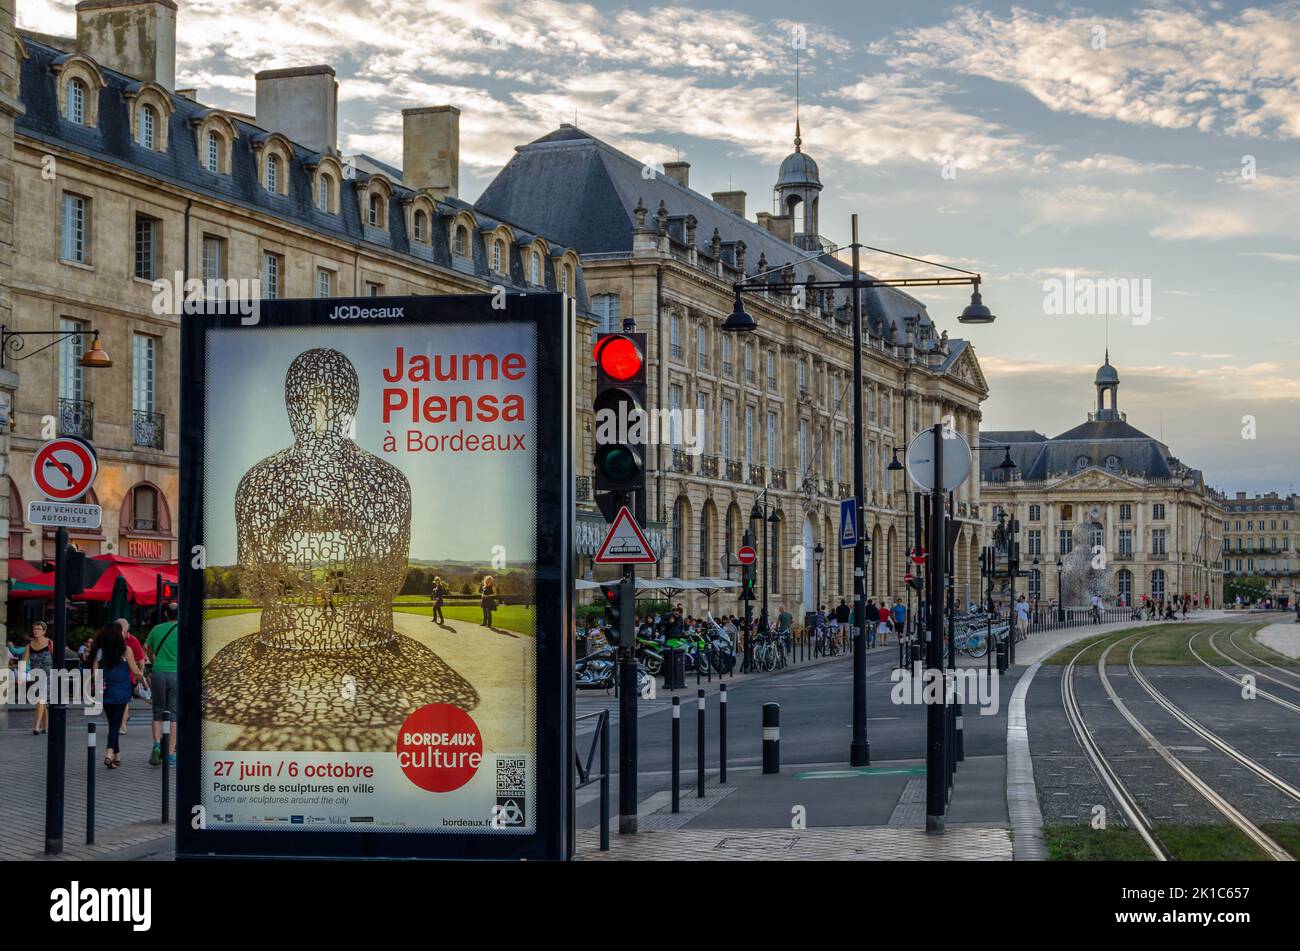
462 241
272 175
76 101
535 268
1081 462
324 190
499 256
212 157
148 128
566 278
421 226
1112 462
375 212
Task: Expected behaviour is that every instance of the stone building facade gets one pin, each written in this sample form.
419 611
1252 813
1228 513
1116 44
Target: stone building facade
776 403
1261 541
124 188
1157 522
9 109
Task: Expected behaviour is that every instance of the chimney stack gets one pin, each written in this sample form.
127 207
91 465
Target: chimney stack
136 37
680 172
732 201
431 149
301 103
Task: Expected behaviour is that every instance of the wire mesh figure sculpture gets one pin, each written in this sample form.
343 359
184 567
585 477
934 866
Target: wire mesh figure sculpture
323 527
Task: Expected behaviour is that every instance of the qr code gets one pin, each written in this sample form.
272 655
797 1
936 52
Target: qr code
511 777
512 806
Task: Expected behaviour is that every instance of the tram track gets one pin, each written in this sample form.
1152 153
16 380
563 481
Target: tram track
1239 681
1121 793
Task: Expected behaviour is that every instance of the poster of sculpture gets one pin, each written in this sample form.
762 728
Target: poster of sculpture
369 636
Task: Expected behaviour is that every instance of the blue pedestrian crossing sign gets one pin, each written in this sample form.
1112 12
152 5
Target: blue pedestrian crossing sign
849 523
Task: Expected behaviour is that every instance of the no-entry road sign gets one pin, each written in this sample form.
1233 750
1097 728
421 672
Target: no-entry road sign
65 468
746 555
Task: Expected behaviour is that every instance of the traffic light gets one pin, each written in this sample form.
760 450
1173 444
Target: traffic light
747 581
75 565
619 405
620 607
169 591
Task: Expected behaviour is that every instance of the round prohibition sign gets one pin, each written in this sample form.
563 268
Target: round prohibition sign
65 468
746 555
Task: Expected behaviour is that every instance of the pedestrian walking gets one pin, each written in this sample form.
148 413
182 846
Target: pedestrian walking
900 617
39 655
488 599
438 593
139 687
870 613
119 667
882 624
1096 609
1022 614
162 647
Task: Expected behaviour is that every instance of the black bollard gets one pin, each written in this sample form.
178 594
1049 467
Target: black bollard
699 748
166 769
771 738
677 753
722 734
90 783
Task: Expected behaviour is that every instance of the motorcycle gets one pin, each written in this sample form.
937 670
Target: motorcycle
649 655
599 671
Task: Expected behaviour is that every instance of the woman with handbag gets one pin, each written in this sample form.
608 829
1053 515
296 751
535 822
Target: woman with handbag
39 655
438 594
119 667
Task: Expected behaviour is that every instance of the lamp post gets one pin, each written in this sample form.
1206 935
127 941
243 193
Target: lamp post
739 321
762 512
1060 590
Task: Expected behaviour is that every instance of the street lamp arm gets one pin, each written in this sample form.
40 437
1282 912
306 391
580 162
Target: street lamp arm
14 341
909 257
849 284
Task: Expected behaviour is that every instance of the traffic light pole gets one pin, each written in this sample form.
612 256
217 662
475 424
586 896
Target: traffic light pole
936 793
627 758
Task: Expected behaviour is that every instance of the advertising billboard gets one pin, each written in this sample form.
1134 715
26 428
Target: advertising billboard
377 499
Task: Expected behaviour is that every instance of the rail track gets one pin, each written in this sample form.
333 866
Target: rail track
1123 796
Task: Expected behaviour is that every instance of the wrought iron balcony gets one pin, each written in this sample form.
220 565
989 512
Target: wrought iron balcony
76 418
675 350
147 429
734 471
709 466
756 474
702 361
682 461
778 478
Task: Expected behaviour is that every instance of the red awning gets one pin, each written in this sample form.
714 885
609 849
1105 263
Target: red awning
141 580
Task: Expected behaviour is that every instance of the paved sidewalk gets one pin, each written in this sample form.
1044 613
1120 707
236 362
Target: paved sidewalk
1283 638
128 800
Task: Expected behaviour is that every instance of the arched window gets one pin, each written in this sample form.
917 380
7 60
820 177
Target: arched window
76 101
375 211
1081 462
566 278
273 173
1112 462
145 509
213 157
498 256
535 268
1124 586
148 127
462 241
324 191
1158 584
421 226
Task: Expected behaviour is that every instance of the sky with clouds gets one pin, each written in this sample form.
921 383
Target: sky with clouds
1156 142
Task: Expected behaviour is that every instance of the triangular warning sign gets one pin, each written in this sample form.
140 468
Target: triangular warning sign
625 544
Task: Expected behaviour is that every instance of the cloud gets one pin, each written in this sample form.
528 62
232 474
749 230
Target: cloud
1170 68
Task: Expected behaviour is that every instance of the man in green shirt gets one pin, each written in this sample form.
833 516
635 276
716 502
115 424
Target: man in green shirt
784 619
162 646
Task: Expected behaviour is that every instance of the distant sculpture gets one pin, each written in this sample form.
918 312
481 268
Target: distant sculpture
323 527
1083 572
